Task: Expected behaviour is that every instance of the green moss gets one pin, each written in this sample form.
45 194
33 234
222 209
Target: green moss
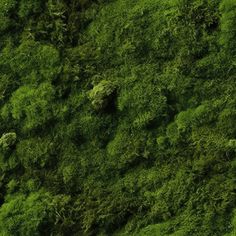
117 117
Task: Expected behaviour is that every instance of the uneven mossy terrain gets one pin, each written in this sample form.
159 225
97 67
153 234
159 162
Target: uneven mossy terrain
118 117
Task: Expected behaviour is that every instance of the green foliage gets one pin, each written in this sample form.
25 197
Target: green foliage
117 117
33 214
100 94
7 140
32 106
34 153
232 233
228 9
6 7
27 8
22 215
34 61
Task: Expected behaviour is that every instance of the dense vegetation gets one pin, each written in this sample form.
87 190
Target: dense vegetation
118 117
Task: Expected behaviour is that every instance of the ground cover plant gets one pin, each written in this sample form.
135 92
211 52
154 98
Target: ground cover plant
118 117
